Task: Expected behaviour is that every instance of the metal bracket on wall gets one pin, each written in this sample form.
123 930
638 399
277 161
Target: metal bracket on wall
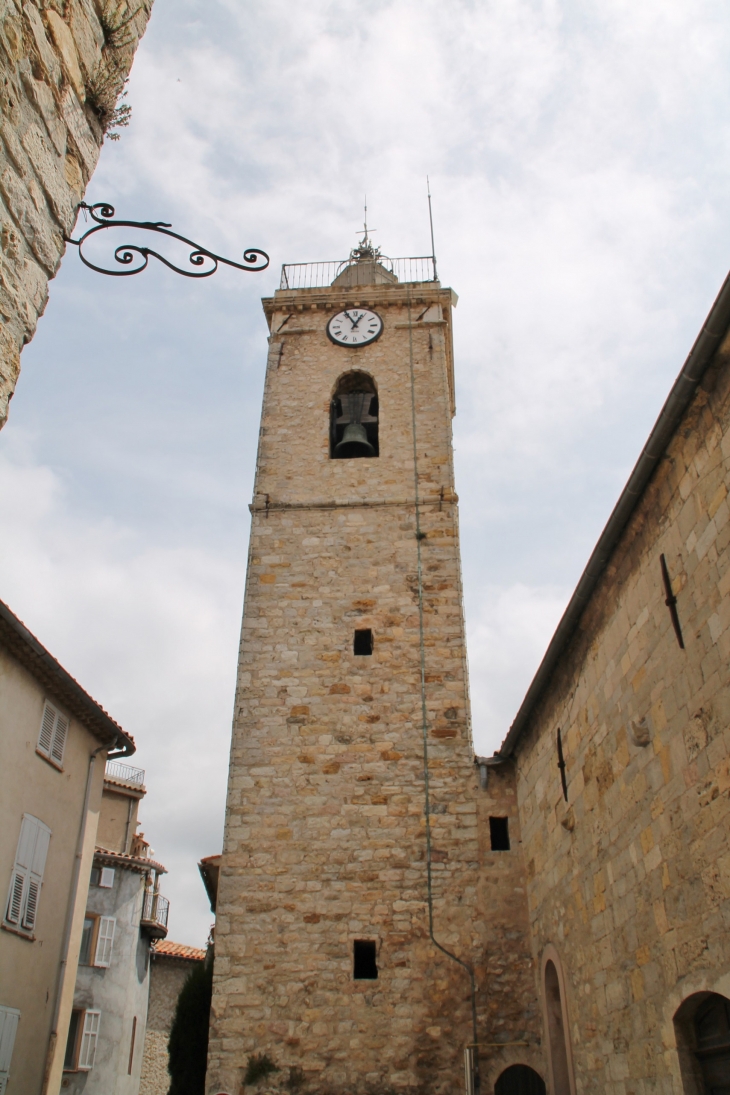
103 215
671 602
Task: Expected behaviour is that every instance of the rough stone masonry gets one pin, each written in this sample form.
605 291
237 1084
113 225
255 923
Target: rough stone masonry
325 841
63 64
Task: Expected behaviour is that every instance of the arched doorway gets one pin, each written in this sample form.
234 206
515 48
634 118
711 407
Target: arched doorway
556 1024
712 1043
519 1080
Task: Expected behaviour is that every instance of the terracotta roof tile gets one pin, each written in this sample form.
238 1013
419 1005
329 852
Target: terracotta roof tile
168 949
134 862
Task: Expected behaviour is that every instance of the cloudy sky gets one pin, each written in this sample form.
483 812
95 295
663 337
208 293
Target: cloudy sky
579 156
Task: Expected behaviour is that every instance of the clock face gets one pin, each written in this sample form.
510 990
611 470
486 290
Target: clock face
355 327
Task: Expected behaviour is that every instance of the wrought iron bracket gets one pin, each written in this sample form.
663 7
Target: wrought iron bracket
103 214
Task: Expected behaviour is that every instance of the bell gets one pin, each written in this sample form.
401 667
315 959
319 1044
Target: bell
354 442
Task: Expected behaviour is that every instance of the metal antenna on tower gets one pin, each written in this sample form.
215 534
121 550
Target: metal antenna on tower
430 218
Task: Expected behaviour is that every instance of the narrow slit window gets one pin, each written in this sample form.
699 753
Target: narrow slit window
499 833
363 641
365 965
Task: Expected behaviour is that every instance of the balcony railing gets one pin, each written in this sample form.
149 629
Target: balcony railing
155 911
318 275
125 773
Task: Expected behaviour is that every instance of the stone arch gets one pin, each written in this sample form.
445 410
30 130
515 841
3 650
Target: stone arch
520 1080
557 1026
354 417
702 1031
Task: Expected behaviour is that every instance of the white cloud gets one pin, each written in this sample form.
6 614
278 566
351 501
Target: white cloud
152 634
512 627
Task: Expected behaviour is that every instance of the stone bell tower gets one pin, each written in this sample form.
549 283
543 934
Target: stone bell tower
346 911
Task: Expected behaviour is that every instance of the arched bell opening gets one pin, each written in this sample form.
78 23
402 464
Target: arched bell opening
702 1027
354 418
520 1080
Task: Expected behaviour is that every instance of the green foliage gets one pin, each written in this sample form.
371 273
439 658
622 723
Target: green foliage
188 1045
259 1065
117 23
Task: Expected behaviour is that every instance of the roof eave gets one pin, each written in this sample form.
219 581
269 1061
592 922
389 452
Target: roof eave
33 656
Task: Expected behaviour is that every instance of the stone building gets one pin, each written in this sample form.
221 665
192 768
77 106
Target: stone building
355 925
125 913
558 914
621 752
54 740
62 66
171 965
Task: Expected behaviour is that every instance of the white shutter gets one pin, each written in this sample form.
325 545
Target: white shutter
37 866
27 876
59 738
89 1037
105 941
45 738
15 897
8 1026
106 878
53 733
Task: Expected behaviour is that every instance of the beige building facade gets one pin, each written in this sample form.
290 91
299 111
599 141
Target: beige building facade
62 65
125 914
54 741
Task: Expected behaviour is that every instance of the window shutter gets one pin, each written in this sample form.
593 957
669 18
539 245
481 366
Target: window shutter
15 899
53 733
59 738
31 904
45 738
37 867
105 941
8 1025
107 877
89 1038
27 876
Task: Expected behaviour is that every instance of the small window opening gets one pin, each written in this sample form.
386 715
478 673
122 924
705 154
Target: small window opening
363 641
365 966
354 418
87 940
72 1042
499 833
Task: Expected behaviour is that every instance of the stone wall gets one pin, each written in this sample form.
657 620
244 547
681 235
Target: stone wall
325 834
630 878
167 977
510 1023
62 65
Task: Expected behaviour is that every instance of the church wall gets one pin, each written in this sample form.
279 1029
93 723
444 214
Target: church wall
629 879
325 830
509 1019
62 62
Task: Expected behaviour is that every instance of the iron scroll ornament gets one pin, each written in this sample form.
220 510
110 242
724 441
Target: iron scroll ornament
254 260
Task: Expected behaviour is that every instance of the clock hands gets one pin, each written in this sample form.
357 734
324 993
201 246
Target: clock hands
354 322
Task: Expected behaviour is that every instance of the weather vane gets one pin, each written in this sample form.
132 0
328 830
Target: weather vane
126 254
365 249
